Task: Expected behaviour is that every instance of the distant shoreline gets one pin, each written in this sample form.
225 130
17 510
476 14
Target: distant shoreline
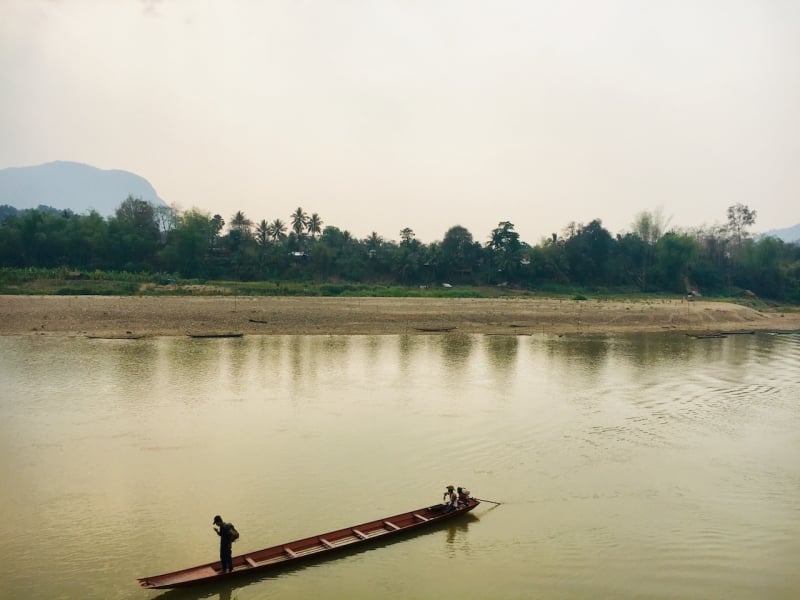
140 316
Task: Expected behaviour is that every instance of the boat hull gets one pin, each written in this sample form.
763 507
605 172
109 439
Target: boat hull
311 548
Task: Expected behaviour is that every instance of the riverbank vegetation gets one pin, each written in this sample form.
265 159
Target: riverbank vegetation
144 249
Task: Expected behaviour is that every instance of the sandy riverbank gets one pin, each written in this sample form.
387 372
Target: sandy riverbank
116 316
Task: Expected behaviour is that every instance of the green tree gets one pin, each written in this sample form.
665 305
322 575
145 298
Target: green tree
190 245
240 222
675 256
378 256
588 251
262 234
166 217
341 255
763 269
407 236
459 255
740 217
277 231
314 225
134 236
648 227
218 224
87 241
628 264
549 262
505 249
299 222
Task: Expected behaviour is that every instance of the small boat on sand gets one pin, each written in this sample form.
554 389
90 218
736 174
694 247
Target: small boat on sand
231 334
311 548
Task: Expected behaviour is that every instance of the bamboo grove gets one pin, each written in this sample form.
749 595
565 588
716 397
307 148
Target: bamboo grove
142 238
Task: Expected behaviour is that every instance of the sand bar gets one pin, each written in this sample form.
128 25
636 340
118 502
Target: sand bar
133 316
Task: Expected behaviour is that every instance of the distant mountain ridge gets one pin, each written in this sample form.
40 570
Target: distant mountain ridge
789 234
75 186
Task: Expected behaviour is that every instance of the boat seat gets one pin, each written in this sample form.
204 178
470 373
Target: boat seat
360 534
290 552
326 543
392 525
312 550
421 518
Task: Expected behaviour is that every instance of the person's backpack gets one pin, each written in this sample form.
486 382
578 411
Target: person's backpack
234 533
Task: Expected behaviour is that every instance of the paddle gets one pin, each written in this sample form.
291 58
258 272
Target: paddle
489 501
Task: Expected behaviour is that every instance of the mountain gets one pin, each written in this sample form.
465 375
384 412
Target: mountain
789 234
71 185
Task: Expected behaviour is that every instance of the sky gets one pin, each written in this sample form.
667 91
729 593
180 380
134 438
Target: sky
380 115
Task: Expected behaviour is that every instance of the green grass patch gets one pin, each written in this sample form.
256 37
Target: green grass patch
64 281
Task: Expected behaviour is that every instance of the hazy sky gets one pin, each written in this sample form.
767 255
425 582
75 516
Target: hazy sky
380 115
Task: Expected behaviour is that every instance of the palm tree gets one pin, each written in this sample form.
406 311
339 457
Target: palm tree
217 223
314 225
241 223
262 233
299 221
373 243
277 230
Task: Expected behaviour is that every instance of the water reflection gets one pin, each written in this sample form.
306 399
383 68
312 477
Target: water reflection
502 351
456 532
456 349
587 353
191 359
407 349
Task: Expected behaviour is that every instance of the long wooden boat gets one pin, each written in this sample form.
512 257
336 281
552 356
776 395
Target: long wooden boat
226 334
310 548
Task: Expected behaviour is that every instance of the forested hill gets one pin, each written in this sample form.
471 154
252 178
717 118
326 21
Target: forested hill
74 186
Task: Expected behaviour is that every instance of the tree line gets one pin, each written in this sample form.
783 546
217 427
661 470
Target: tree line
140 237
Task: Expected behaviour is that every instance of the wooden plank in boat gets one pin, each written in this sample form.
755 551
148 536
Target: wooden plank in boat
345 541
390 524
312 550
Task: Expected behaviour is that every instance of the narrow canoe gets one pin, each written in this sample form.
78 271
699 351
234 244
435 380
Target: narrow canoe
215 335
310 548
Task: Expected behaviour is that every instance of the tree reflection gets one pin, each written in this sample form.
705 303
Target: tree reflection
456 349
502 350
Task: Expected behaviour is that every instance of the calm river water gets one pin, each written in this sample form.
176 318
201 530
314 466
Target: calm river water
628 467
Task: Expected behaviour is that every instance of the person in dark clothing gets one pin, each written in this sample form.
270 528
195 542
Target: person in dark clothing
223 530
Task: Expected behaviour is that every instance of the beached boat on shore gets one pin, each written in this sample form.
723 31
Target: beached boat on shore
310 548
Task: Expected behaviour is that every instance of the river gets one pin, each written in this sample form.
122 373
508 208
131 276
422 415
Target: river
649 466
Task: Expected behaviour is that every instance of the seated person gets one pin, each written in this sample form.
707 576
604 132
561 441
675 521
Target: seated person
450 498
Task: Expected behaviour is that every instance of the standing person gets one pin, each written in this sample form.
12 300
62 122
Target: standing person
223 530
